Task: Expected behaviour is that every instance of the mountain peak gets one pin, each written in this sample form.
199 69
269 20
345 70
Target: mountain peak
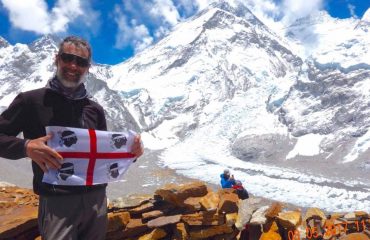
366 17
234 6
45 42
3 42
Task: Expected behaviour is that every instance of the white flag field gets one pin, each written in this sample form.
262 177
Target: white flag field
90 156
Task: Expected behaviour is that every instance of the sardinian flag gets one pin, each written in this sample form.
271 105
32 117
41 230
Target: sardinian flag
90 156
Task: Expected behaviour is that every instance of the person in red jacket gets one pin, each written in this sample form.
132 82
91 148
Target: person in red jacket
240 190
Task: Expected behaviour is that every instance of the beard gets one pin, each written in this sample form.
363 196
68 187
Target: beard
70 81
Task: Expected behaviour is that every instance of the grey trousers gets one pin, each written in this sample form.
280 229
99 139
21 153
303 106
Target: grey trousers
72 217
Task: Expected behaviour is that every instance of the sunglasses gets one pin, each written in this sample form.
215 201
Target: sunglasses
80 61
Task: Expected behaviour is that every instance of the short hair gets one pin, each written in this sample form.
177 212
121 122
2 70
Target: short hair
77 41
226 171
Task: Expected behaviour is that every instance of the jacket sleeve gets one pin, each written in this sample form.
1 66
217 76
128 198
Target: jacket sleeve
12 122
102 125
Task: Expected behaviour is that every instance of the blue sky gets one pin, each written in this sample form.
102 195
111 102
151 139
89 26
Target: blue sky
117 29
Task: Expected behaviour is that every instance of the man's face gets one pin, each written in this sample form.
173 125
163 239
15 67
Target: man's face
70 71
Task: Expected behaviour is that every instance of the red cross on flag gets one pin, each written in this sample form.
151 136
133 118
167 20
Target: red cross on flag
90 156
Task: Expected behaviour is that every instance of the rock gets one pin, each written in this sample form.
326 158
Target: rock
290 219
210 232
117 221
153 214
147 206
355 236
228 201
134 228
154 235
180 232
361 214
350 216
203 218
192 204
330 229
272 233
231 218
18 213
258 217
246 209
210 201
163 221
273 210
176 194
315 213
131 201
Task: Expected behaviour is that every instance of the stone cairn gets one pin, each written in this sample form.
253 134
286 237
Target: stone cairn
193 211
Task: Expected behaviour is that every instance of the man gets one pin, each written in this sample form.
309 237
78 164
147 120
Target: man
240 190
65 212
226 180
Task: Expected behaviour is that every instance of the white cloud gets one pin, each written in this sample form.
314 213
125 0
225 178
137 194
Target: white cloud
166 10
295 9
28 15
33 15
131 33
351 9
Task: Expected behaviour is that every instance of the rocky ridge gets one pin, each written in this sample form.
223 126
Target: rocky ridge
193 211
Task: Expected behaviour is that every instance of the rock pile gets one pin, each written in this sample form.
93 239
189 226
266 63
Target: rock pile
193 211
190 211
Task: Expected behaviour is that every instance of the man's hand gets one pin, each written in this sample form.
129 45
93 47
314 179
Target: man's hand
137 147
43 155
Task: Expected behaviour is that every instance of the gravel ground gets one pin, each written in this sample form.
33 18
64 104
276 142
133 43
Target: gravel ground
142 178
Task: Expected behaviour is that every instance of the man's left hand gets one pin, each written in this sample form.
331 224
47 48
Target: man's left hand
137 147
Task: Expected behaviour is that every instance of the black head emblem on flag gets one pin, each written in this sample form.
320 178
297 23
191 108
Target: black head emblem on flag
67 138
113 170
118 140
66 170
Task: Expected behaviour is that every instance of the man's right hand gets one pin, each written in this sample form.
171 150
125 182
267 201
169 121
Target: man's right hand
42 154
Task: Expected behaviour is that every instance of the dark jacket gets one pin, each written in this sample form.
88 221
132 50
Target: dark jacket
30 112
226 182
241 191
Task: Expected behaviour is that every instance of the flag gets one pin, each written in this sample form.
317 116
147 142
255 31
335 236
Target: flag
90 156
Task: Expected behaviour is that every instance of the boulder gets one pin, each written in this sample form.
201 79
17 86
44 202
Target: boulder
135 227
246 209
192 204
228 201
209 232
259 216
203 218
355 236
180 232
152 214
117 221
176 194
290 219
18 213
231 218
315 213
154 235
273 210
163 221
210 201
272 233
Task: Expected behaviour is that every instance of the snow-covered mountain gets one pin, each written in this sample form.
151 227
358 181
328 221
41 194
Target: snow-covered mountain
222 90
